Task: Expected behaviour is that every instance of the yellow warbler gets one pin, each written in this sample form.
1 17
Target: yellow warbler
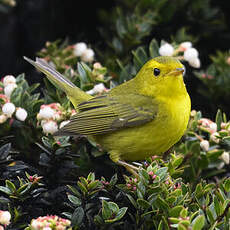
137 119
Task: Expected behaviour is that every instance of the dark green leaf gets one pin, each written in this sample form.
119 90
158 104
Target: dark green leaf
113 180
106 211
118 216
4 151
153 48
76 201
5 190
77 216
143 204
218 120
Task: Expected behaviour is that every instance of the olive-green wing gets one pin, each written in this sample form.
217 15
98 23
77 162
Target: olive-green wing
105 114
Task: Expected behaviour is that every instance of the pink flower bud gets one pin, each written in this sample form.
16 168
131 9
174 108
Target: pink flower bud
154 177
150 173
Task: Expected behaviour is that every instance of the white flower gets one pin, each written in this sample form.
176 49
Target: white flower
190 54
221 165
35 224
46 113
214 137
9 89
9 79
87 55
204 144
21 114
225 157
63 123
213 127
79 48
3 118
8 109
97 65
166 50
48 228
99 88
5 217
50 127
195 62
186 45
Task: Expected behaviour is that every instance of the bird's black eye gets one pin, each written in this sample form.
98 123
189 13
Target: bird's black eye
156 71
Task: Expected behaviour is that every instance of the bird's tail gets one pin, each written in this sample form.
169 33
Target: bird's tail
75 94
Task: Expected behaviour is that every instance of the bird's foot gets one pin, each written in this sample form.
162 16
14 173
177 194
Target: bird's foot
131 168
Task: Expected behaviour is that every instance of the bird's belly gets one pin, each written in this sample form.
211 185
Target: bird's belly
152 138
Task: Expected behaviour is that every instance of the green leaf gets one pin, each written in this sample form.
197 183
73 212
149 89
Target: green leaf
226 140
175 211
119 215
184 213
153 48
210 216
114 207
217 206
198 223
132 200
141 188
94 184
143 204
144 175
91 177
82 187
82 73
198 191
113 180
33 87
5 190
77 216
181 227
218 120
227 185
24 188
76 201
162 203
46 141
160 226
162 172
106 211
5 150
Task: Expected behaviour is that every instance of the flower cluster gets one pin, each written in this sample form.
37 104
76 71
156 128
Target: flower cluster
131 184
81 50
51 115
184 52
215 136
50 223
4 218
7 108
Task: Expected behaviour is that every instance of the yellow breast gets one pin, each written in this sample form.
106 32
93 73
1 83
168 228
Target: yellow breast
153 138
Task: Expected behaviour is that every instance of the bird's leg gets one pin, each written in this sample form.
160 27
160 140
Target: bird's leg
131 168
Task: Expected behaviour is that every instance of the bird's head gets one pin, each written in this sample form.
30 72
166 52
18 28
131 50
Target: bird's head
162 75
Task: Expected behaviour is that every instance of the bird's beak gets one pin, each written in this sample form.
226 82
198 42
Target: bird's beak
177 71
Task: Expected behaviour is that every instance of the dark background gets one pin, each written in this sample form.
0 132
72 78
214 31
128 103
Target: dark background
24 29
